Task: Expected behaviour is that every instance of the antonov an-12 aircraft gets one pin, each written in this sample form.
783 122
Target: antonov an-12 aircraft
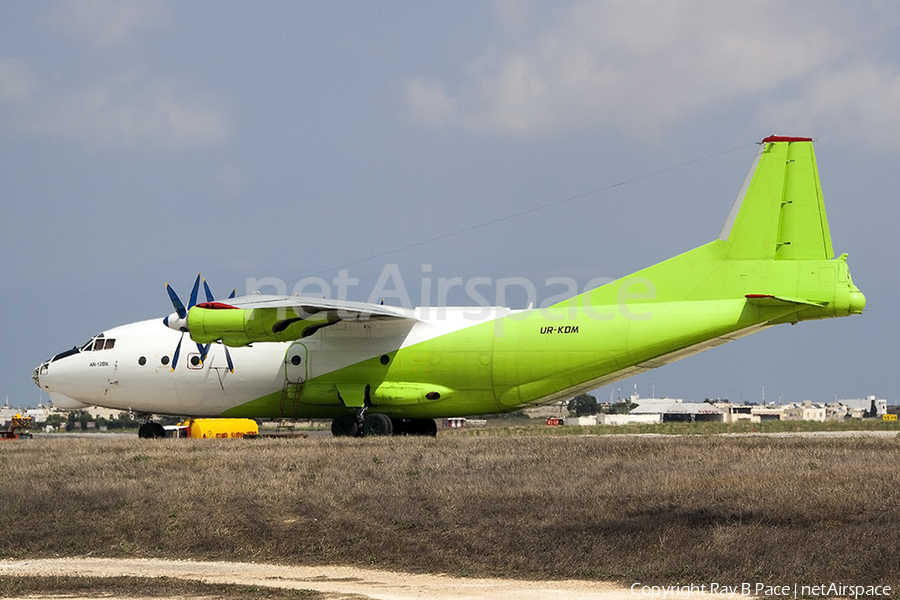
380 370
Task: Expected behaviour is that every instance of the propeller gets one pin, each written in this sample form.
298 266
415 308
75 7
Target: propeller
209 294
178 320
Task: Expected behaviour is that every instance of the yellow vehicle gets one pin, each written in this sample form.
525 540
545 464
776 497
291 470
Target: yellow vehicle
221 428
18 427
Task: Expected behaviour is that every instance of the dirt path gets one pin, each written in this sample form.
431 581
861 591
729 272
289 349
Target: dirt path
367 583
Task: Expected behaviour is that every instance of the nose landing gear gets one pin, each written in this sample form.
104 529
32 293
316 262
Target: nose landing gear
151 431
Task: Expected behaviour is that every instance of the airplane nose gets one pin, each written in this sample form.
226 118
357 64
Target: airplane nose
41 369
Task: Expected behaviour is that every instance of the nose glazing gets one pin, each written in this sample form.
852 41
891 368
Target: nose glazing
38 371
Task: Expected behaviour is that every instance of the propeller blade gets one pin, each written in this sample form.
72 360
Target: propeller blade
177 352
204 351
176 302
228 358
209 295
194 291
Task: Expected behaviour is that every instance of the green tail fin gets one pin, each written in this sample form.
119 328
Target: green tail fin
779 212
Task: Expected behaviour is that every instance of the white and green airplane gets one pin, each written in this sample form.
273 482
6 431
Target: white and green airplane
378 369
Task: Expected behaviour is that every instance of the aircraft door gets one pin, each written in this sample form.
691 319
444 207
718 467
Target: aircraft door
295 360
295 373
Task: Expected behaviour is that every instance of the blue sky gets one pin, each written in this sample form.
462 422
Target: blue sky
142 142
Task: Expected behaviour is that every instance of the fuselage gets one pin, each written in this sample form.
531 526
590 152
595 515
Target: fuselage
440 362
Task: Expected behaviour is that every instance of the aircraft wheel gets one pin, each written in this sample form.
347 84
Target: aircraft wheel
151 431
399 426
426 427
377 424
344 426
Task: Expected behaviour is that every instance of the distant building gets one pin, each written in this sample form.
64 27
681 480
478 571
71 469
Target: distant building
98 412
749 413
865 404
657 410
39 414
557 409
835 411
677 410
802 411
805 411
629 419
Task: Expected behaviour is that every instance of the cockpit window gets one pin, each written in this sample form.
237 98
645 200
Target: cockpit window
74 350
99 343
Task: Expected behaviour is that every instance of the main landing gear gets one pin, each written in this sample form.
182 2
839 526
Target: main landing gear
362 424
151 430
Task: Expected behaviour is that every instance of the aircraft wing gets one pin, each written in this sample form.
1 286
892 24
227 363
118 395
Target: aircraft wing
263 318
313 306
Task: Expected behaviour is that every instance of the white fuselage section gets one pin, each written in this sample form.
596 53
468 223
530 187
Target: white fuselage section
129 367
136 374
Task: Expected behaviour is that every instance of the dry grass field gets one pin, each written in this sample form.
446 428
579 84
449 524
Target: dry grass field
627 508
139 587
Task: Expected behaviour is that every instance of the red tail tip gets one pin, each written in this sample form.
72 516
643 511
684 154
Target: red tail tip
784 138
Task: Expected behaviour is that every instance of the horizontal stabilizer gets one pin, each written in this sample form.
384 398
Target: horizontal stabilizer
769 300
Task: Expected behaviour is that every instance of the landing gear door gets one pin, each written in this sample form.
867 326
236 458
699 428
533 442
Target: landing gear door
295 363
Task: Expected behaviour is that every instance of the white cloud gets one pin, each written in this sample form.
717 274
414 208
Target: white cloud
107 23
128 110
428 102
640 66
124 113
125 106
856 101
